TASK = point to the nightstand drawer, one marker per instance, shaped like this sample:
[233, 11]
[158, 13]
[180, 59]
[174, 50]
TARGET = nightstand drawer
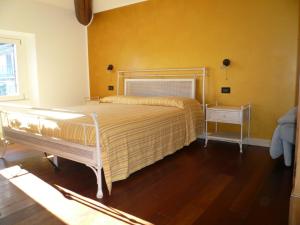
[223, 116]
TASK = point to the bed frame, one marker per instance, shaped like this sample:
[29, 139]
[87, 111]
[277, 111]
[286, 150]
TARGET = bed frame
[164, 82]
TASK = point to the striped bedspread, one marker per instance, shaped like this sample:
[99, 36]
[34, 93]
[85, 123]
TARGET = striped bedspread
[135, 131]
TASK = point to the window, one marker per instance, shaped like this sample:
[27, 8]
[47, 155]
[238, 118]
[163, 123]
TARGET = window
[9, 69]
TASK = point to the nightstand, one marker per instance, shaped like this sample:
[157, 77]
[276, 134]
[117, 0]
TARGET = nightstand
[92, 100]
[230, 115]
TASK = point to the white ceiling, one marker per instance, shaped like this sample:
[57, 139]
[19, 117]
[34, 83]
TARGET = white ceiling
[98, 5]
[66, 4]
[102, 5]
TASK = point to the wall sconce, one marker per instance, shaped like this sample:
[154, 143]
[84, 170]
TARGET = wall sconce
[110, 68]
[226, 63]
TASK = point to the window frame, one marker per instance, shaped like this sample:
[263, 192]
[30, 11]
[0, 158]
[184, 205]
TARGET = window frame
[18, 59]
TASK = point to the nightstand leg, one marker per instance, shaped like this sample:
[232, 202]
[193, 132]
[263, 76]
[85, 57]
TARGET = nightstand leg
[241, 141]
[206, 139]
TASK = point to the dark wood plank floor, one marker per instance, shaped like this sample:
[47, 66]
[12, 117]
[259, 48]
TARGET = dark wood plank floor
[215, 186]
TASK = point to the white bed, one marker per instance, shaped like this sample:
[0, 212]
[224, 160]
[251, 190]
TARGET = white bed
[166, 82]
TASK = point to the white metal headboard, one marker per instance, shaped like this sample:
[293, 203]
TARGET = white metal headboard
[160, 87]
[163, 82]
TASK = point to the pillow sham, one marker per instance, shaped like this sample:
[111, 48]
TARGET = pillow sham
[171, 101]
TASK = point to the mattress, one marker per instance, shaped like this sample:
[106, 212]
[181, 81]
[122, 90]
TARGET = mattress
[135, 132]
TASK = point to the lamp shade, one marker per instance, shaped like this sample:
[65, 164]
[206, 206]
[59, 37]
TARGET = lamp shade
[110, 67]
[226, 62]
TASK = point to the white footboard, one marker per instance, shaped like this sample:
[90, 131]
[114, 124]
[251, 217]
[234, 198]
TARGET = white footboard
[82, 153]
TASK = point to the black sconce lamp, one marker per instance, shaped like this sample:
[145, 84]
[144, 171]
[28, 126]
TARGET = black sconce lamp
[226, 62]
[110, 68]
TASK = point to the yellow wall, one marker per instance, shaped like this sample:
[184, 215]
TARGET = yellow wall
[259, 36]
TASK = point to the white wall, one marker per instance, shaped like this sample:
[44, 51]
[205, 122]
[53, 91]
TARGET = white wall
[61, 50]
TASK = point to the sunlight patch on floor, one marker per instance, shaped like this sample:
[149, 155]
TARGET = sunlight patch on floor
[69, 207]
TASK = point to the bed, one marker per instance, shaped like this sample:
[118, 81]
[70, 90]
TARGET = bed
[120, 134]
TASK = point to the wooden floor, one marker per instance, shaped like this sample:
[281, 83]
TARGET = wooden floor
[193, 186]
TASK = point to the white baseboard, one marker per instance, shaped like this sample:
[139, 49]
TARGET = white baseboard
[252, 141]
[258, 142]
